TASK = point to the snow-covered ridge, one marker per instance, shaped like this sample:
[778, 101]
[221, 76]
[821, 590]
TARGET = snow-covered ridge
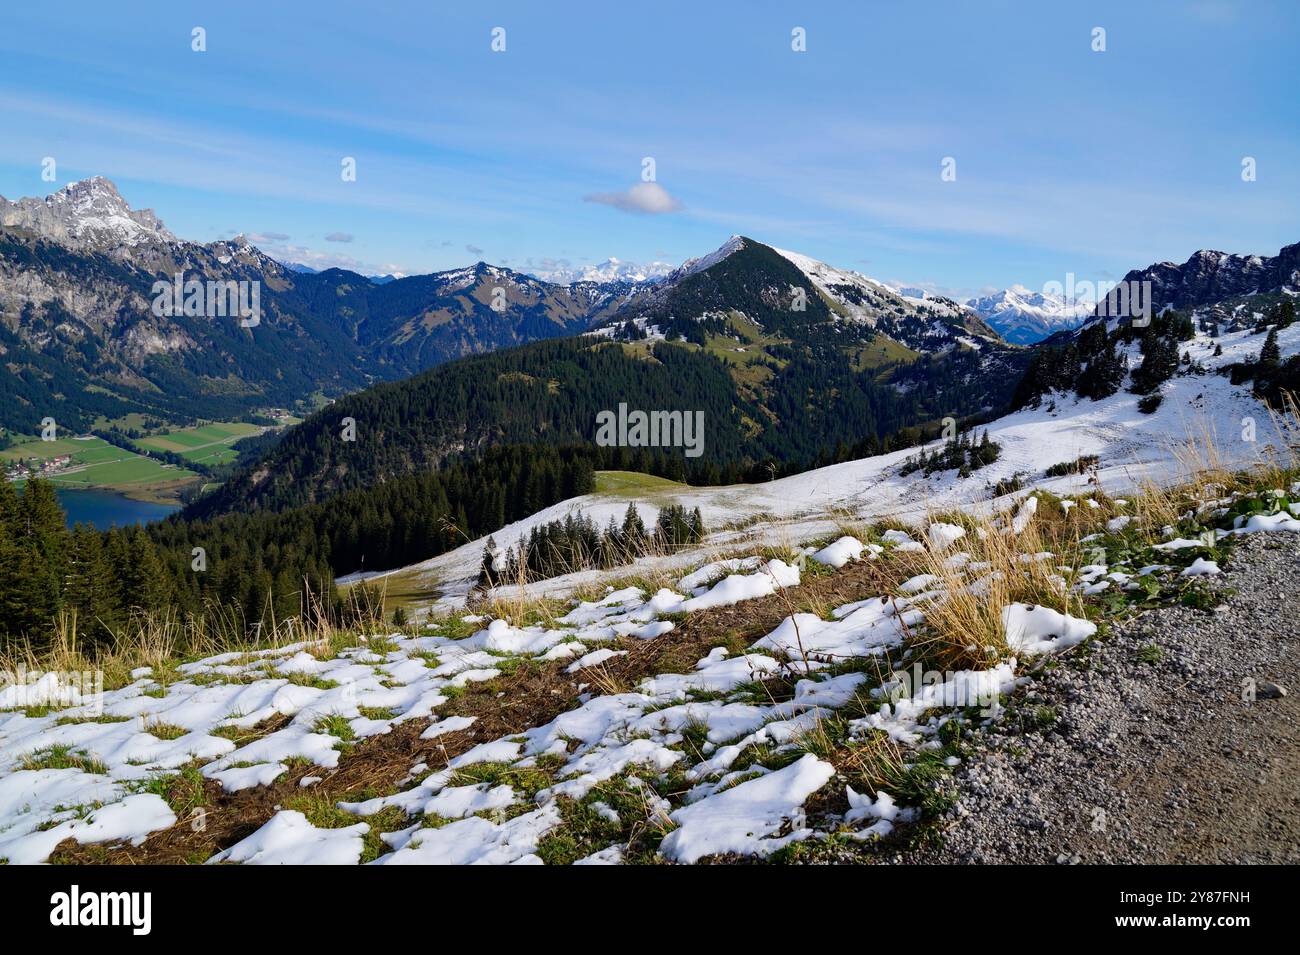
[835, 282]
[691, 266]
[922, 322]
[1210, 277]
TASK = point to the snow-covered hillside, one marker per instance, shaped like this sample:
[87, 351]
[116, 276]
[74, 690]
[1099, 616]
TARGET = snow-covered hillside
[863, 299]
[428, 747]
[632, 726]
[1132, 447]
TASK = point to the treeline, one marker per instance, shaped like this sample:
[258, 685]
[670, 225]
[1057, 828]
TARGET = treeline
[756, 280]
[548, 392]
[814, 408]
[961, 453]
[1078, 466]
[1091, 365]
[268, 565]
[1272, 378]
[576, 543]
[46, 568]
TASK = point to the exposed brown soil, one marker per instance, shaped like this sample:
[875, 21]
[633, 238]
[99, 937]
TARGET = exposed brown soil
[510, 704]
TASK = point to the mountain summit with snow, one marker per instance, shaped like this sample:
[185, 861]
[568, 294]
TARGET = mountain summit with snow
[1024, 317]
[89, 215]
[785, 293]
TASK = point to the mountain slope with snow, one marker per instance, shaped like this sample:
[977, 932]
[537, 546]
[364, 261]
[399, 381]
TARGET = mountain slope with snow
[797, 296]
[1209, 278]
[1131, 447]
[84, 341]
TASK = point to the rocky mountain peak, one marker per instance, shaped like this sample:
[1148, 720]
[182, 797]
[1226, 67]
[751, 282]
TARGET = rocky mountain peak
[1209, 278]
[88, 215]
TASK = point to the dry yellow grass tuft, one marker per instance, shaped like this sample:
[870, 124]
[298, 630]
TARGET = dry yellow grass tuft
[963, 624]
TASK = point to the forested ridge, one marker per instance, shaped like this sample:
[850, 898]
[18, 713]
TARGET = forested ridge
[811, 407]
[79, 366]
[264, 565]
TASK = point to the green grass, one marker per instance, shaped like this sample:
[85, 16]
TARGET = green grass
[98, 463]
[336, 726]
[744, 350]
[104, 718]
[161, 730]
[183, 791]
[622, 483]
[527, 780]
[64, 757]
[1150, 653]
[308, 679]
[36, 448]
[881, 352]
[206, 444]
[409, 589]
[322, 811]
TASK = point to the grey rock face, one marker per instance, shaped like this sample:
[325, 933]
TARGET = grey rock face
[89, 215]
[1209, 277]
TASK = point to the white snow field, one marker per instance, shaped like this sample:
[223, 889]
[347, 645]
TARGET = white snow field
[613, 733]
[704, 725]
[1132, 447]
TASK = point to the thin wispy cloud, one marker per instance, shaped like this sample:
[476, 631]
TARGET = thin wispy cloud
[1051, 173]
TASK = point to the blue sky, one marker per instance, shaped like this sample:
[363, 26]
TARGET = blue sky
[1067, 160]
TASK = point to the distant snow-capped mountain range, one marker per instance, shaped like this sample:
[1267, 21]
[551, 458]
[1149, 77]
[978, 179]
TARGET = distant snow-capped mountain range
[611, 270]
[1018, 314]
[1024, 317]
[70, 325]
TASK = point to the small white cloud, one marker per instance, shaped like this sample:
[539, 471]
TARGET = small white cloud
[267, 237]
[473, 250]
[339, 237]
[648, 198]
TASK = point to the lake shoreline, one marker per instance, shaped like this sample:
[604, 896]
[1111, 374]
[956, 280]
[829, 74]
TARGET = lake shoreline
[105, 508]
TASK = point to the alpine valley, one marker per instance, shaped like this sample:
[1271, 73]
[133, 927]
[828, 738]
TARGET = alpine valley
[436, 562]
[605, 436]
[795, 363]
[82, 343]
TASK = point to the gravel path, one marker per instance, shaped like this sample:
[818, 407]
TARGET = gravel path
[1160, 762]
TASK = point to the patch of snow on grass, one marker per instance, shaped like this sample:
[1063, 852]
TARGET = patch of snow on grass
[746, 818]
